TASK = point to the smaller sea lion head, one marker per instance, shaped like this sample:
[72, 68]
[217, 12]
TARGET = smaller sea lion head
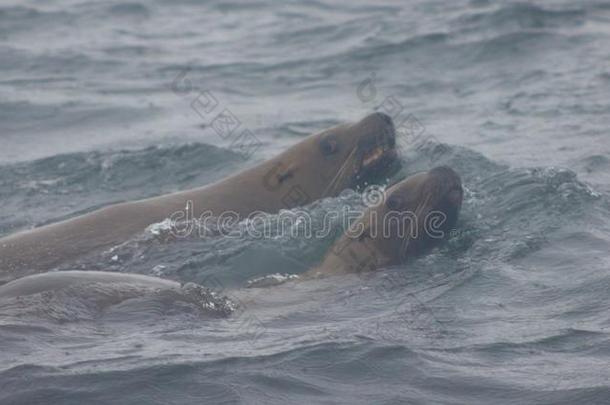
[420, 211]
[413, 216]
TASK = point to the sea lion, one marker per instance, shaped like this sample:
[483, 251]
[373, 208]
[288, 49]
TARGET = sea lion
[97, 291]
[320, 166]
[38, 283]
[415, 215]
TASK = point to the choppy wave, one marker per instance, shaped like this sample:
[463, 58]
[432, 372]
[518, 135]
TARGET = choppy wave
[79, 182]
[514, 220]
[513, 96]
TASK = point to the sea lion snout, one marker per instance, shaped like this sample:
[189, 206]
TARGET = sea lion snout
[447, 174]
[444, 188]
[377, 141]
[378, 127]
[448, 186]
[456, 196]
[384, 119]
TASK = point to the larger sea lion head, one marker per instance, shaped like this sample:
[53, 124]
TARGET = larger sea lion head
[345, 156]
[414, 215]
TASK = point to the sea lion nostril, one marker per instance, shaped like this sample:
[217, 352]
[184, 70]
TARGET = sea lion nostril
[329, 146]
[391, 140]
[388, 131]
[455, 196]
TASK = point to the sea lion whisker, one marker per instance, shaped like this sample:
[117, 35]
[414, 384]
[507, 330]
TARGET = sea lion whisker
[335, 181]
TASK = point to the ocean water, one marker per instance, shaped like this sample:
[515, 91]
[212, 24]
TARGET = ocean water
[106, 101]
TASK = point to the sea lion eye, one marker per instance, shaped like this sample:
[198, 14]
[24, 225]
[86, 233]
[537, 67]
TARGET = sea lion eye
[394, 202]
[329, 146]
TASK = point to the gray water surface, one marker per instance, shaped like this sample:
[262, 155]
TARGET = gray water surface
[96, 106]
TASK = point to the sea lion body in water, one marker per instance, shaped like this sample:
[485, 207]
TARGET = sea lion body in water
[320, 166]
[389, 233]
[52, 281]
[94, 292]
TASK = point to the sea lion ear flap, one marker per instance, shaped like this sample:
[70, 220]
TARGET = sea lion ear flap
[277, 175]
[285, 173]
